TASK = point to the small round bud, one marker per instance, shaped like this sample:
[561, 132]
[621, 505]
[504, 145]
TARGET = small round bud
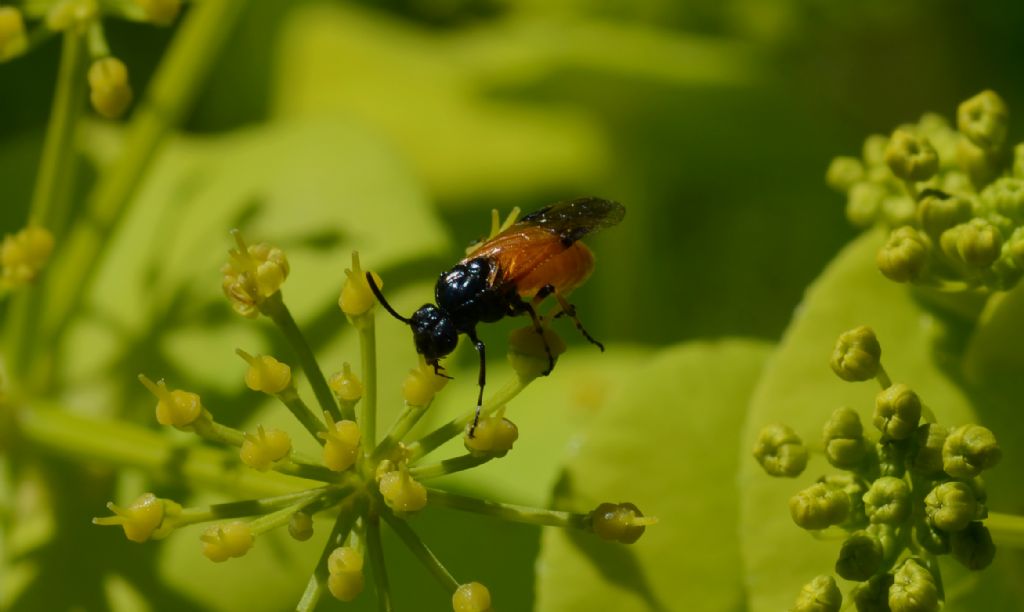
[951, 506]
[976, 243]
[221, 542]
[300, 526]
[494, 435]
[345, 568]
[911, 157]
[898, 211]
[346, 386]
[66, 14]
[527, 354]
[937, 211]
[844, 172]
[905, 255]
[892, 458]
[267, 375]
[984, 119]
[24, 254]
[931, 538]
[913, 589]
[973, 546]
[160, 12]
[356, 296]
[401, 493]
[252, 274]
[864, 203]
[623, 523]
[780, 451]
[925, 454]
[471, 597]
[897, 411]
[873, 595]
[1006, 197]
[860, 556]
[341, 444]
[856, 355]
[177, 408]
[1013, 248]
[109, 90]
[888, 501]
[260, 450]
[146, 517]
[843, 436]
[819, 506]
[819, 595]
[12, 32]
[422, 384]
[968, 450]
[982, 166]
[873, 150]
[855, 488]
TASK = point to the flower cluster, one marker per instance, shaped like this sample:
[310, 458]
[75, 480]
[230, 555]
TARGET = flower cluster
[81, 23]
[953, 199]
[23, 255]
[907, 494]
[359, 478]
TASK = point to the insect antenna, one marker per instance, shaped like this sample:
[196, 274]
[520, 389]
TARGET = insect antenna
[383, 302]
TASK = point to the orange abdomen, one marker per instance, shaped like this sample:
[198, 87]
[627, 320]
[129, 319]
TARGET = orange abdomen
[565, 271]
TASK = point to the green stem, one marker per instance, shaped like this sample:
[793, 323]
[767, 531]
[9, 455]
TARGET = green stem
[883, 378]
[283, 516]
[274, 307]
[422, 552]
[448, 466]
[176, 83]
[1006, 529]
[248, 507]
[508, 512]
[457, 425]
[368, 358]
[380, 572]
[208, 429]
[313, 424]
[52, 194]
[399, 429]
[347, 515]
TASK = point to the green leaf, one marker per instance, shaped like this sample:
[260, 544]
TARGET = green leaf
[799, 389]
[665, 442]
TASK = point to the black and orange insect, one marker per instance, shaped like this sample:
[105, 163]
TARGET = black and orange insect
[510, 274]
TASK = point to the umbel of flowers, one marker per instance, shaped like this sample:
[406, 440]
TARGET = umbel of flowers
[906, 493]
[951, 198]
[359, 478]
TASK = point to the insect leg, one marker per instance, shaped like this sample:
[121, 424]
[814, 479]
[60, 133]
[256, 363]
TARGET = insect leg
[570, 311]
[540, 331]
[478, 343]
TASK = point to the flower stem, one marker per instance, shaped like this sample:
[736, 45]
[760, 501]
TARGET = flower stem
[281, 517]
[349, 511]
[457, 425]
[401, 427]
[313, 424]
[420, 550]
[509, 512]
[380, 572]
[248, 507]
[368, 357]
[448, 466]
[274, 307]
[213, 431]
[883, 378]
[1006, 529]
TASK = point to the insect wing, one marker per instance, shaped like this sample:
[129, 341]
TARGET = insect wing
[573, 219]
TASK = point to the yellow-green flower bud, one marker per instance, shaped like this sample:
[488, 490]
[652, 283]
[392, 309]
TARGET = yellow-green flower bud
[1018, 160]
[911, 157]
[12, 32]
[973, 546]
[109, 90]
[176, 408]
[931, 538]
[844, 172]
[864, 203]
[401, 493]
[888, 501]
[892, 457]
[904, 257]
[526, 351]
[819, 595]
[346, 385]
[873, 595]
[160, 12]
[937, 211]
[854, 487]
[345, 569]
[982, 166]
[819, 506]
[266, 374]
[856, 355]
[252, 274]
[1013, 248]
[780, 451]
[976, 243]
[471, 597]
[913, 589]
[494, 435]
[925, 454]
[873, 150]
[261, 449]
[24, 254]
[623, 523]
[341, 443]
[300, 526]
[356, 296]
[860, 556]
[422, 384]
[1006, 197]
[65, 14]
[984, 119]
[843, 436]
[897, 411]
[147, 517]
[221, 542]
[899, 210]
[951, 506]
[968, 450]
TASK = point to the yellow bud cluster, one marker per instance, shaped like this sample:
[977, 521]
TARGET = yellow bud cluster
[527, 354]
[176, 408]
[146, 517]
[252, 274]
[494, 435]
[221, 542]
[266, 374]
[620, 522]
[422, 384]
[260, 450]
[109, 90]
[471, 597]
[12, 32]
[356, 297]
[71, 13]
[346, 386]
[345, 568]
[24, 254]
[160, 12]
[401, 493]
[341, 446]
